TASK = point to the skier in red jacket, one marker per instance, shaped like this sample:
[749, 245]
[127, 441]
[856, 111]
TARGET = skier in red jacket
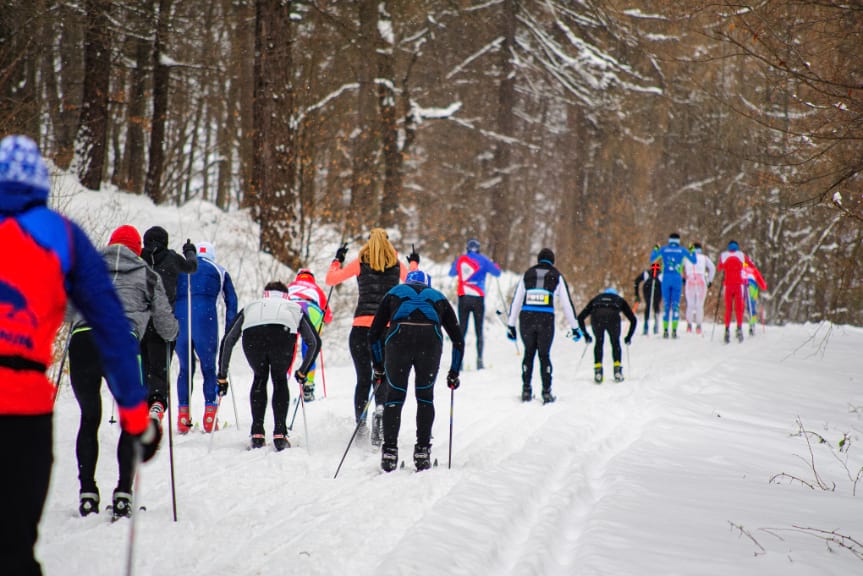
[731, 264]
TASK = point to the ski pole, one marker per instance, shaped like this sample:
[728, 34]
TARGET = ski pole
[189, 338]
[451, 409]
[137, 457]
[323, 372]
[234, 401]
[294, 417]
[171, 434]
[628, 361]
[113, 406]
[302, 403]
[651, 306]
[583, 352]
[357, 427]
[499, 315]
[62, 365]
[716, 311]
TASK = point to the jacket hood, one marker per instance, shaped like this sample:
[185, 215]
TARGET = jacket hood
[121, 259]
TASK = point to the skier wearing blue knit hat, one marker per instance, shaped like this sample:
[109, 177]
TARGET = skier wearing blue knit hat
[471, 269]
[604, 311]
[404, 335]
[672, 256]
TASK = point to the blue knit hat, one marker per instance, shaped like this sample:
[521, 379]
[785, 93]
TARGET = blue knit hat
[733, 246]
[473, 245]
[23, 174]
[418, 277]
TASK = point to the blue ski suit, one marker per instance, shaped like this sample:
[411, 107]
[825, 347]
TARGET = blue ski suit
[208, 283]
[672, 256]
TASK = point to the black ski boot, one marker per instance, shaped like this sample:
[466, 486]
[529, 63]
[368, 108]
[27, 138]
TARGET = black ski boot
[122, 506]
[389, 458]
[479, 364]
[547, 397]
[597, 373]
[674, 333]
[618, 372]
[526, 394]
[422, 457]
[280, 442]
[739, 334]
[258, 441]
[752, 330]
[88, 503]
[727, 335]
[308, 392]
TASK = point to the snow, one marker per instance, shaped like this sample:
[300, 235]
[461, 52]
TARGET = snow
[668, 472]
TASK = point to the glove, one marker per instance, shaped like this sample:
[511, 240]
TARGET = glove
[587, 338]
[222, 384]
[300, 377]
[637, 299]
[575, 335]
[341, 253]
[150, 439]
[414, 257]
[189, 247]
[378, 376]
[709, 284]
[452, 380]
[510, 333]
[627, 340]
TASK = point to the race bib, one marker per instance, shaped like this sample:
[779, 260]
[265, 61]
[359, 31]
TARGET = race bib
[537, 297]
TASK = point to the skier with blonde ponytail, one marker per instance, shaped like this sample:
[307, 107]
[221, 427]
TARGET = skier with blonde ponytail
[377, 269]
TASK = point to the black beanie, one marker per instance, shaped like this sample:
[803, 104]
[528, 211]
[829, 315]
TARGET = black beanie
[156, 237]
[545, 254]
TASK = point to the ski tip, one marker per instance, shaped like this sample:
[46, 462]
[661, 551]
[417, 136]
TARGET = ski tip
[402, 465]
[435, 463]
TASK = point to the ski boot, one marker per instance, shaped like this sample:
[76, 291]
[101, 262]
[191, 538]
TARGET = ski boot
[122, 506]
[258, 441]
[674, 333]
[157, 410]
[727, 335]
[646, 328]
[752, 330]
[280, 442]
[618, 372]
[656, 327]
[526, 394]
[479, 364]
[88, 503]
[597, 373]
[422, 457]
[377, 433]
[308, 392]
[739, 334]
[389, 458]
[665, 333]
[548, 397]
[210, 418]
[184, 420]
[688, 328]
[698, 329]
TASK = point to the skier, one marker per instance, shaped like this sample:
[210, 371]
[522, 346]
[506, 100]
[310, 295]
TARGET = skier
[731, 264]
[604, 311]
[672, 256]
[533, 306]
[306, 292]
[698, 278]
[207, 284]
[471, 269]
[156, 352]
[377, 269]
[754, 283]
[144, 300]
[652, 278]
[405, 335]
[269, 327]
[45, 260]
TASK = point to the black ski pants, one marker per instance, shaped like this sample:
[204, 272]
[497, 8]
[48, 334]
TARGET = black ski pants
[362, 356]
[418, 347]
[475, 305]
[156, 360]
[27, 453]
[603, 321]
[537, 334]
[85, 372]
[269, 350]
[652, 288]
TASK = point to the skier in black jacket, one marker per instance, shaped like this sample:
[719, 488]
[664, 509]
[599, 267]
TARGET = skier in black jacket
[604, 311]
[652, 278]
[533, 307]
[155, 352]
[404, 335]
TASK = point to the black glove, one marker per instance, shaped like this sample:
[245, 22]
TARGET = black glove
[222, 384]
[452, 380]
[709, 284]
[150, 439]
[414, 257]
[627, 340]
[510, 333]
[575, 335]
[378, 376]
[300, 377]
[189, 247]
[341, 253]
[588, 338]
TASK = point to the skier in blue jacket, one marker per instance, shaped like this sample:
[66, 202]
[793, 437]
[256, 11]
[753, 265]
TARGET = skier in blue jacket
[471, 269]
[672, 256]
[207, 284]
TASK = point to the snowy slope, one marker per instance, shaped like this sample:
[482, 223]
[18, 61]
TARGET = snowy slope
[666, 473]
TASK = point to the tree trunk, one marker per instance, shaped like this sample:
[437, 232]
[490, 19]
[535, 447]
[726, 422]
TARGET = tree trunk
[136, 141]
[161, 87]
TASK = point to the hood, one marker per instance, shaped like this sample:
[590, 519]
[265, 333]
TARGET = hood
[121, 259]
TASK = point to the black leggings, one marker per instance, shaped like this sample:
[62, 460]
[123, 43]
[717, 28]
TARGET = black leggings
[156, 360]
[657, 300]
[269, 350]
[85, 372]
[27, 443]
[416, 347]
[537, 333]
[362, 356]
[475, 305]
[602, 323]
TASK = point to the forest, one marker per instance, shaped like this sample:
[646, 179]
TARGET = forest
[593, 127]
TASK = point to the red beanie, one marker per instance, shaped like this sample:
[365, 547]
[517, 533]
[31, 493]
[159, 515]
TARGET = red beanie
[128, 236]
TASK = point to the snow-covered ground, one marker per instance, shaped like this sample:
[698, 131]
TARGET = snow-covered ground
[666, 473]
